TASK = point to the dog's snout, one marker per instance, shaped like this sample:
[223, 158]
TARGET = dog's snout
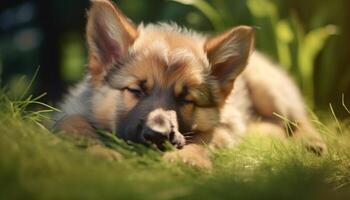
[161, 126]
[154, 137]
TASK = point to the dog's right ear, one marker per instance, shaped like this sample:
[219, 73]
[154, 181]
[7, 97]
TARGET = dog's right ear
[109, 36]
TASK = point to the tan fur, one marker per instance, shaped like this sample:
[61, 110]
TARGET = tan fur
[272, 92]
[192, 154]
[105, 109]
[267, 128]
[177, 60]
[77, 125]
[124, 36]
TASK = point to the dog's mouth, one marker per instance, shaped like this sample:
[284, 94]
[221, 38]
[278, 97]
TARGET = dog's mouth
[150, 137]
[159, 128]
[161, 140]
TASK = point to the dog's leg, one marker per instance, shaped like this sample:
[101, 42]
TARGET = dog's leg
[267, 128]
[195, 155]
[313, 141]
[79, 126]
[291, 114]
[276, 98]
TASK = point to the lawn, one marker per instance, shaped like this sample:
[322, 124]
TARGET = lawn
[37, 164]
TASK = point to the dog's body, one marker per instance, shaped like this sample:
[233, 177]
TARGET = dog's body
[158, 83]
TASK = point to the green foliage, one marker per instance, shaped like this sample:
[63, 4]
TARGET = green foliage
[209, 11]
[73, 64]
[284, 39]
[15, 101]
[309, 47]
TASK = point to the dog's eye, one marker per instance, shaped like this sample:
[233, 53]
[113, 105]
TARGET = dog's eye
[186, 101]
[184, 98]
[137, 92]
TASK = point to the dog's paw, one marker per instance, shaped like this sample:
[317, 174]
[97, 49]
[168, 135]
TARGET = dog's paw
[193, 158]
[104, 153]
[315, 146]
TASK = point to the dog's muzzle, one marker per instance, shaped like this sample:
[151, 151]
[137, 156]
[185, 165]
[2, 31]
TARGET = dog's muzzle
[161, 126]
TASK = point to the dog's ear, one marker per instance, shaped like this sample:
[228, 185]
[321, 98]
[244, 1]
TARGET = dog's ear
[109, 35]
[228, 55]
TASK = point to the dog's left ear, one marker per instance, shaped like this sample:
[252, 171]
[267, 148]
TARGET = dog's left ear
[109, 35]
[228, 55]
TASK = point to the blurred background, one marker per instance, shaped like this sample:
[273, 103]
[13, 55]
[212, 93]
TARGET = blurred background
[309, 39]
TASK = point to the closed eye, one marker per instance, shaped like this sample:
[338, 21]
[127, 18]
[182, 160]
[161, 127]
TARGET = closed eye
[186, 101]
[137, 92]
[184, 97]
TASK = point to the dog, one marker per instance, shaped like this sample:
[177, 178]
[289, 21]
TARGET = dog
[161, 83]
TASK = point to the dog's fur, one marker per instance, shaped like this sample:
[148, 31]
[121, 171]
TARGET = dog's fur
[191, 89]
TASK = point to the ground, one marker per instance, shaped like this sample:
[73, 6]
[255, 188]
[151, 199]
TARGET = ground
[37, 164]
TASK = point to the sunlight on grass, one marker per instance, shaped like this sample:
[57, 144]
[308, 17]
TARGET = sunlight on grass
[36, 163]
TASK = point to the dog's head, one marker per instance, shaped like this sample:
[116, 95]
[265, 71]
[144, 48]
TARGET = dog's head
[170, 81]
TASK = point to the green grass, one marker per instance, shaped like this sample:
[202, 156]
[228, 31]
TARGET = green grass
[36, 164]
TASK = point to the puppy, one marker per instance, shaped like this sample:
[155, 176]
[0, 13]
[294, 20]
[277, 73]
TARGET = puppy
[160, 83]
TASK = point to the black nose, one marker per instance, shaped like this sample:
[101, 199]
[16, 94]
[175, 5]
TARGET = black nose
[155, 137]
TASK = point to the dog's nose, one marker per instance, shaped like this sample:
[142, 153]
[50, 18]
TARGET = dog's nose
[161, 126]
[154, 137]
[159, 138]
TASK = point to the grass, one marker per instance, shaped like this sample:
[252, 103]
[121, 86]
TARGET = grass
[36, 164]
